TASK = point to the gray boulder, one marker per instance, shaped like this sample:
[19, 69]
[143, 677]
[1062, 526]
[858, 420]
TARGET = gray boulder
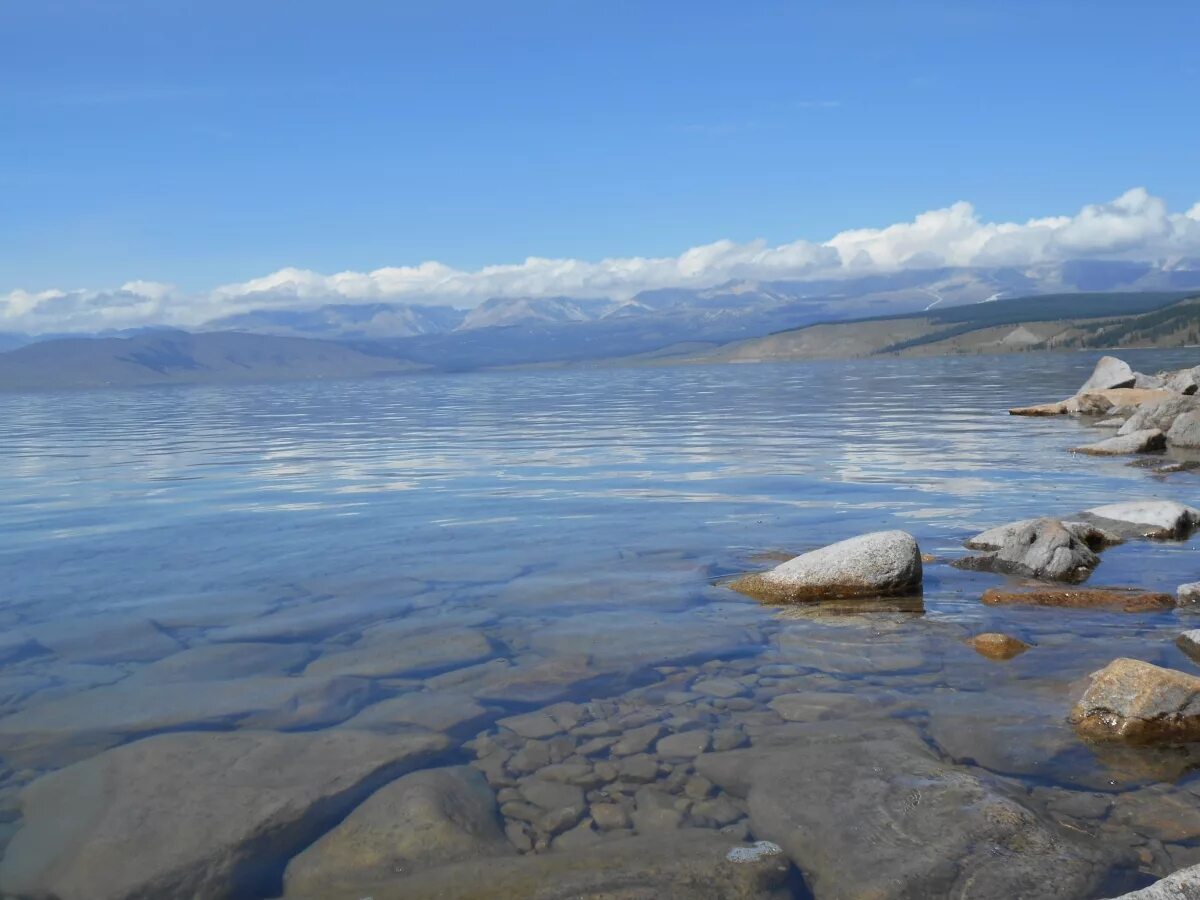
[1157, 519]
[1159, 414]
[1149, 440]
[1185, 381]
[879, 564]
[1188, 593]
[194, 814]
[1038, 548]
[1185, 430]
[995, 538]
[1109, 373]
[913, 825]
[1131, 700]
[423, 820]
[1181, 885]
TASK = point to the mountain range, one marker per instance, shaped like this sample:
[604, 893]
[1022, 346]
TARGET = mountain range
[719, 323]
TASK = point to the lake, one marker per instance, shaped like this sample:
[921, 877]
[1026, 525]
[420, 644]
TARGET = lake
[439, 553]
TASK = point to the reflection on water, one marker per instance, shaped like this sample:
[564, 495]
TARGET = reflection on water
[444, 551]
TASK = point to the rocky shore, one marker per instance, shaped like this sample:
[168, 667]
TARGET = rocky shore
[807, 729]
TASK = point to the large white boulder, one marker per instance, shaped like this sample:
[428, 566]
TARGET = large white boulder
[1110, 372]
[882, 563]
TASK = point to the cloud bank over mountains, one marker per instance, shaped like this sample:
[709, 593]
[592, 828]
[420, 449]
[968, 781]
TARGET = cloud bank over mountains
[1135, 226]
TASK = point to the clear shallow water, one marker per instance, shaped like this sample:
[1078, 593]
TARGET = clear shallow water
[576, 521]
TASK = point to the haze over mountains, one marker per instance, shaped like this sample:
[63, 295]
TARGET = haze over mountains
[355, 339]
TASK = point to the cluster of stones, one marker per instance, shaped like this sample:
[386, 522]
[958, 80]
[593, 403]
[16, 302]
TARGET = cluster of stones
[570, 774]
[1148, 412]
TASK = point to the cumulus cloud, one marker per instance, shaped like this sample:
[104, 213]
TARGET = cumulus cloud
[1136, 225]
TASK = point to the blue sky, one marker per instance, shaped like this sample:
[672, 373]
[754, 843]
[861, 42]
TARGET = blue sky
[201, 143]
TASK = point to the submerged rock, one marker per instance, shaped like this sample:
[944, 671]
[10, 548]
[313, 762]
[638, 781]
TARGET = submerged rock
[1135, 701]
[424, 652]
[73, 727]
[1126, 599]
[194, 814]
[1149, 440]
[1040, 548]
[913, 825]
[420, 821]
[672, 865]
[883, 563]
[998, 646]
[1158, 519]
[1181, 885]
[1109, 373]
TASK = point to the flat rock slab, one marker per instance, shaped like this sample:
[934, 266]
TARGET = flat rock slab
[195, 814]
[447, 711]
[1124, 599]
[1149, 440]
[73, 727]
[224, 662]
[421, 821]
[106, 639]
[424, 653]
[628, 641]
[913, 825]
[879, 564]
[1157, 519]
[1135, 701]
[680, 865]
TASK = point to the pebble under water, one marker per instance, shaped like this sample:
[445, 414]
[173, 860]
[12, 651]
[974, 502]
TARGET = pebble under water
[532, 564]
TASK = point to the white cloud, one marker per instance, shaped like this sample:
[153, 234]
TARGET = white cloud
[1136, 225]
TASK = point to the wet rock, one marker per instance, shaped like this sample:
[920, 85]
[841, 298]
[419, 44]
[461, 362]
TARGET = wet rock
[1181, 885]
[1115, 401]
[716, 813]
[811, 706]
[998, 646]
[543, 680]
[883, 563]
[994, 538]
[675, 865]
[1061, 408]
[1042, 548]
[444, 711]
[420, 821]
[915, 826]
[582, 835]
[1188, 593]
[1135, 701]
[1189, 643]
[1115, 422]
[1159, 519]
[655, 812]
[411, 654]
[624, 642]
[531, 725]
[728, 739]
[552, 795]
[1149, 440]
[225, 662]
[609, 816]
[723, 688]
[637, 740]
[1109, 373]
[1124, 599]
[194, 814]
[640, 769]
[1159, 415]
[685, 745]
[73, 727]
[1158, 812]
[105, 639]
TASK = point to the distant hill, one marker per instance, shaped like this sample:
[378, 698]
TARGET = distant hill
[177, 357]
[1028, 323]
